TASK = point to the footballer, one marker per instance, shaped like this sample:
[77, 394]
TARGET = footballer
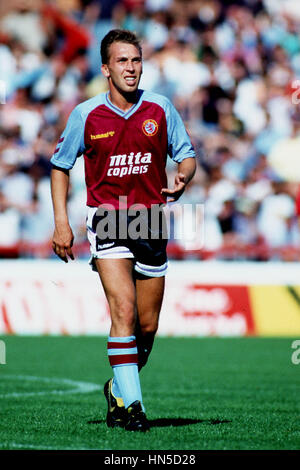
[125, 137]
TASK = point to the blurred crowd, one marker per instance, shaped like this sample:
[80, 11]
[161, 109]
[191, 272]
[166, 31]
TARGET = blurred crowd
[229, 67]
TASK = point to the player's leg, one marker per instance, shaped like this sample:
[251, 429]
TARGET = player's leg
[119, 288]
[118, 284]
[149, 297]
[150, 266]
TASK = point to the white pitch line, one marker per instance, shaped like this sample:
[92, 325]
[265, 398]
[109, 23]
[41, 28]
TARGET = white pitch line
[78, 386]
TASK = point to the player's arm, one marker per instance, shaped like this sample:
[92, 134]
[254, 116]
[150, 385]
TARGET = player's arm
[181, 151]
[186, 171]
[69, 147]
[63, 237]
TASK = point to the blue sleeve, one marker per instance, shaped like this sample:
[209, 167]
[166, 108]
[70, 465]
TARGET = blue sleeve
[179, 143]
[71, 143]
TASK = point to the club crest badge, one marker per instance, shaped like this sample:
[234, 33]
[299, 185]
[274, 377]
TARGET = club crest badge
[150, 127]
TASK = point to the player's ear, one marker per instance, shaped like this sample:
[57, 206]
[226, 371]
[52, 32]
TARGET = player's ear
[105, 71]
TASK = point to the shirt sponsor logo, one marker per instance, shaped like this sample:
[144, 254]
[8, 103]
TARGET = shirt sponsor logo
[135, 164]
[150, 127]
[103, 136]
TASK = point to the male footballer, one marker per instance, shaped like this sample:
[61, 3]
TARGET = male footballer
[125, 136]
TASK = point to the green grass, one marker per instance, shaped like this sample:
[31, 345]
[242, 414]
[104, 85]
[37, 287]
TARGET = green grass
[200, 394]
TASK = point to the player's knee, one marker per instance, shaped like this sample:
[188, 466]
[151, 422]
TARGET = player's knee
[123, 313]
[149, 327]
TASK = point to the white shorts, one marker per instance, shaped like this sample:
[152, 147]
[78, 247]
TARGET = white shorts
[149, 256]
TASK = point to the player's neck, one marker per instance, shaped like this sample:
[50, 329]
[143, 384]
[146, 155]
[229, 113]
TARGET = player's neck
[123, 101]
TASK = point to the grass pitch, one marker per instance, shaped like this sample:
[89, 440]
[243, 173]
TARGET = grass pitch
[199, 393]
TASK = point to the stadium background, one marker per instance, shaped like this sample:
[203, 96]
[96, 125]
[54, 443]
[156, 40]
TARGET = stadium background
[231, 70]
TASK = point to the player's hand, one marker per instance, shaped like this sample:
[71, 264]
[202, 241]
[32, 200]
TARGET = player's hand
[62, 242]
[177, 191]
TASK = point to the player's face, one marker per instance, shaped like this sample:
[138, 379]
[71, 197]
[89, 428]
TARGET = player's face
[124, 68]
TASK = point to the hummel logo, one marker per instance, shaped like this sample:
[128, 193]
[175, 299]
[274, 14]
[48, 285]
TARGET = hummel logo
[103, 136]
[105, 245]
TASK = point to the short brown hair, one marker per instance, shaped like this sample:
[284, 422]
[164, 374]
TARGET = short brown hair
[118, 35]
